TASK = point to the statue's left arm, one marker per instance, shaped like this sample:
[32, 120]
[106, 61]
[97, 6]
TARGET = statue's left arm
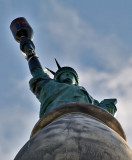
[109, 105]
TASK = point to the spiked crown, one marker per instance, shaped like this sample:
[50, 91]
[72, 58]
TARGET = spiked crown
[62, 70]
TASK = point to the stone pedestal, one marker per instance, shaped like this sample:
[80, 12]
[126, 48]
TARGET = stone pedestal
[76, 131]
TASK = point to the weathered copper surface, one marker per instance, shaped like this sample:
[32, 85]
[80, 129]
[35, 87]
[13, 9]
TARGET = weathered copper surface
[76, 136]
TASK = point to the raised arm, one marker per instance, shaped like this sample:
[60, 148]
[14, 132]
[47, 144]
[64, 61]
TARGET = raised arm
[23, 34]
[27, 46]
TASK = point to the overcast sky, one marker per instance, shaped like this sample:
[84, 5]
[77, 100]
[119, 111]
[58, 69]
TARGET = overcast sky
[94, 37]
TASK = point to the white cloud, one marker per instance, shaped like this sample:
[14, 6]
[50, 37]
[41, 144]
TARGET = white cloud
[112, 85]
[15, 129]
[73, 35]
[17, 119]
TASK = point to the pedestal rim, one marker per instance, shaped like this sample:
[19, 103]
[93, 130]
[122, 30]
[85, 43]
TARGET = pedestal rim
[77, 107]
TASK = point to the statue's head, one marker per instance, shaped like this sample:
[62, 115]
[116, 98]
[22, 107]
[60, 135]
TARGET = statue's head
[65, 75]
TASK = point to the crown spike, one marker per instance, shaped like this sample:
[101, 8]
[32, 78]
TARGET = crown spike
[50, 71]
[59, 67]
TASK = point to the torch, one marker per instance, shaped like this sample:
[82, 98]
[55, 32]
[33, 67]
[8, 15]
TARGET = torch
[23, 34]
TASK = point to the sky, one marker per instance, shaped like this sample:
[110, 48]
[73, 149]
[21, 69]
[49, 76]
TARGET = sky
[94, 37]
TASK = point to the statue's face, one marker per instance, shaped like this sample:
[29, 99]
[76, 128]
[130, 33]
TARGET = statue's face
[67, 77]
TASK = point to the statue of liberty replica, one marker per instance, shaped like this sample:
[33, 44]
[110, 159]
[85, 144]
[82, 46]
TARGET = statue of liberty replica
[72, 125]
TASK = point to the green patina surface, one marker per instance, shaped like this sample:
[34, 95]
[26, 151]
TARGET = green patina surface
[51, 93]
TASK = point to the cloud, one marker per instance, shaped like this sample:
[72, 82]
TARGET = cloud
[77, 38]
[112, 85]
[17, 118]
[15, 129]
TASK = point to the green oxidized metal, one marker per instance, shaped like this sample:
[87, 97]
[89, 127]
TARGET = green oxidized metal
[51, 94]
[65, 69]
